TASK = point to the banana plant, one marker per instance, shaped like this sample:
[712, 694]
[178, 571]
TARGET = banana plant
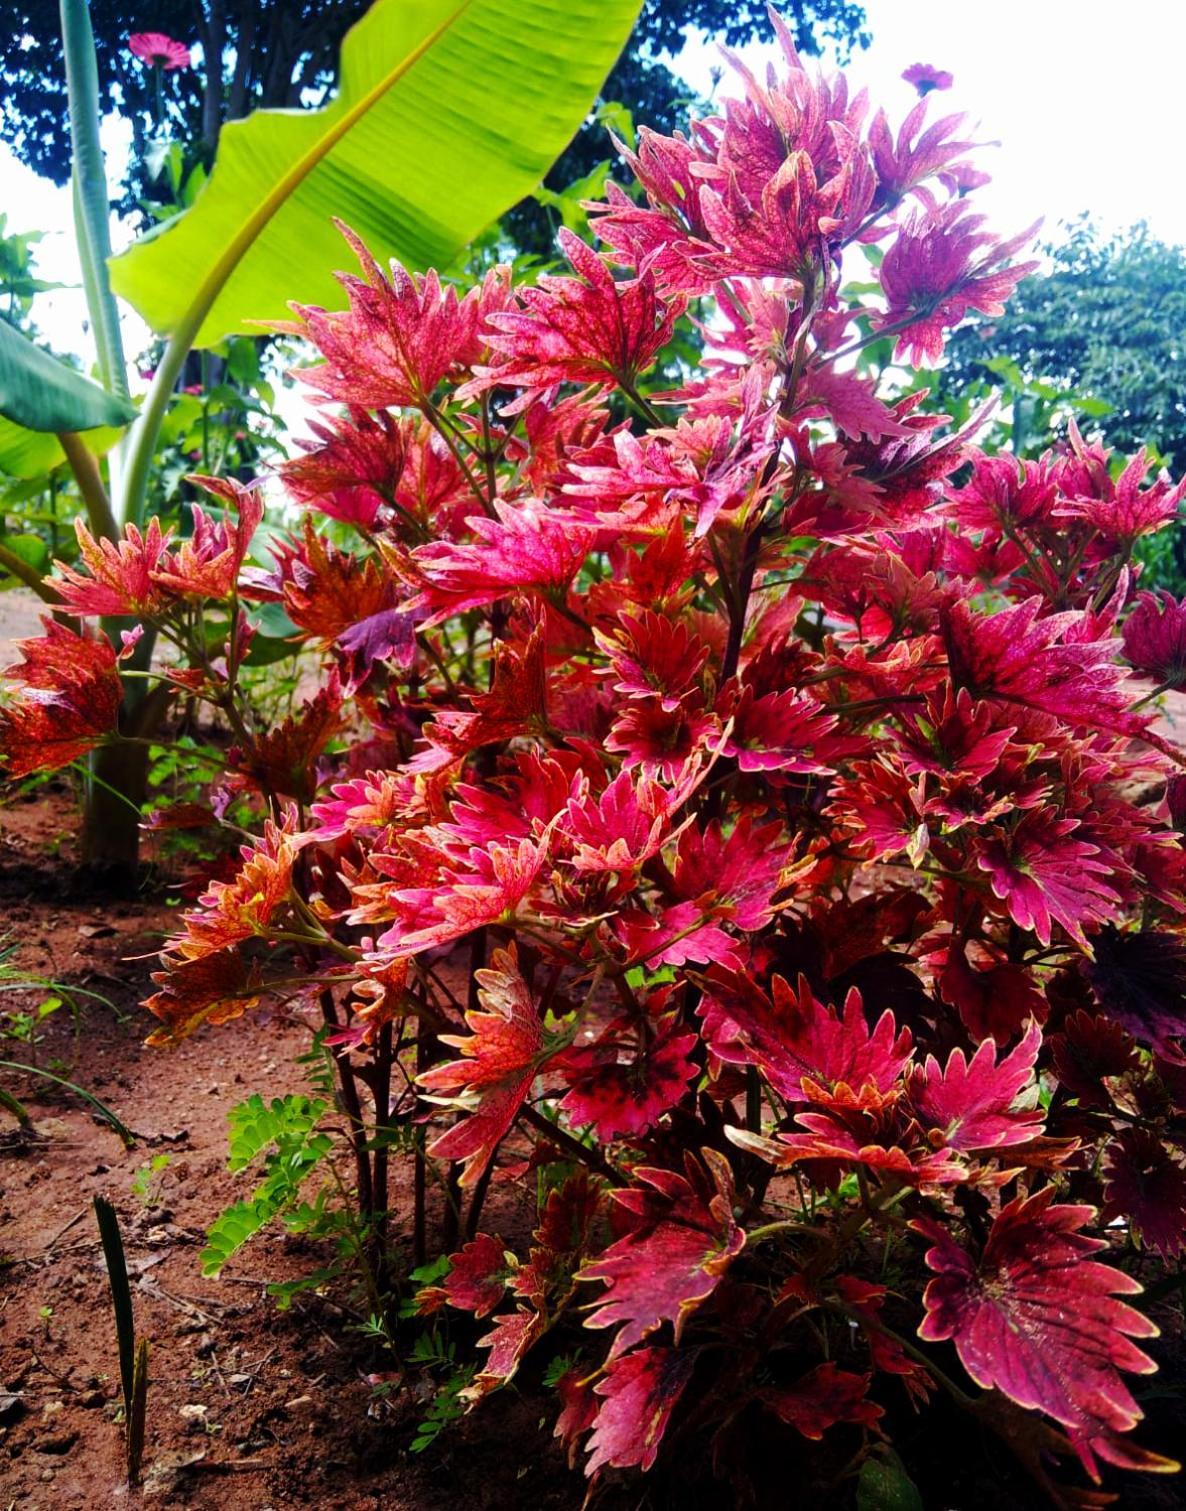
[447, 113]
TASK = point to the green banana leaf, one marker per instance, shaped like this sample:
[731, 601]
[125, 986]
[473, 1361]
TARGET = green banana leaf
[40, 393]
[449, 112]
[33, 453]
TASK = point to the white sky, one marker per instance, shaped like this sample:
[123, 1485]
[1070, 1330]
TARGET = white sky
[1085, 98]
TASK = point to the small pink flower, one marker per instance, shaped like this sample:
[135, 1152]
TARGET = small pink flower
[159, 51]
[925, 78]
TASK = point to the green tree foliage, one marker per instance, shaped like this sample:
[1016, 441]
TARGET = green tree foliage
[1101, 334]
[1108, 321]
[284, 52]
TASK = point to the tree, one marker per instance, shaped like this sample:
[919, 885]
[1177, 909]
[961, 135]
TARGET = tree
[282, 52]
[1105, 321]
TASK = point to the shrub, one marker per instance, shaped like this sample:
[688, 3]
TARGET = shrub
[733, 800]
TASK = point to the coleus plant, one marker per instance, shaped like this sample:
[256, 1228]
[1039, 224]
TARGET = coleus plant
[743, 794]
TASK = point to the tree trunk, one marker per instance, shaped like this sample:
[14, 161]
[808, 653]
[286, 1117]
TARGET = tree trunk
[111, 826]
[119, 777]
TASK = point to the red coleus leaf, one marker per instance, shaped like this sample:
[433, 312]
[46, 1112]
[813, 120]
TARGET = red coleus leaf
[735, 877]
[1035, 1317]
[68, 697]
[515, 705]
[787, 731]
[510, 1338]
[639, 1392]
[663, 744]
[1145, 1183]
[941, 265]
[653, 656]
[683, 1239]
[800, 1046]
[588, 329]
[1088, 1050]
[823, 1397]
[886, 1353]
[994, 1003]
[625, 1088]
[980, 1103]
[285, 759]
[499, 1062]
[578, 1411]
[624, 826]
[477, 1278]
[351, 471]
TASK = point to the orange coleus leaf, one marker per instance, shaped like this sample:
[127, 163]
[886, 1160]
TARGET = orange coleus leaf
[230, 912]
[326, 591]
[207, 565]
[499, 1062]
[118, 577]
[68, 697]
[211, 989]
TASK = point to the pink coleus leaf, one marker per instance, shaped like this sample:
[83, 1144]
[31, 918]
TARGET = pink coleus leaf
[684, 1238]
[982, 1103]
[588, 329]
[1037, 1318]
[640, 1391]
[526, 546]
[498, 1064]
[484, 889]
[1023, 656]
[1045, 874]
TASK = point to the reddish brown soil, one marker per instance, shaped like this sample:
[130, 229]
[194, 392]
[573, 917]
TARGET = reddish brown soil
[289, 1418]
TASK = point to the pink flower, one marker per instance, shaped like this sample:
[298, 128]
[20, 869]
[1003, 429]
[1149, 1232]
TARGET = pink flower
[159, 51]
[925, 78]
